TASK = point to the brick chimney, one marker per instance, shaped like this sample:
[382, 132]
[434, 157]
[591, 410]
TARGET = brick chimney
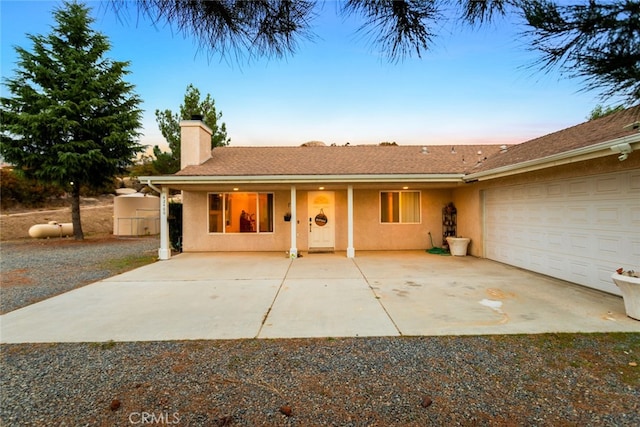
[195, 142]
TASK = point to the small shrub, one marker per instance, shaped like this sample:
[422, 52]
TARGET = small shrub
[175, 226]
[18, 190]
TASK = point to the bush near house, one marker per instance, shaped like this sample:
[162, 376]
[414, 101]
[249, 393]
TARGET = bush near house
[16, 190]
[175, 226]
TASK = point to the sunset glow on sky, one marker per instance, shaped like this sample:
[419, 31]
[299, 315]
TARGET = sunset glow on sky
[474, 86]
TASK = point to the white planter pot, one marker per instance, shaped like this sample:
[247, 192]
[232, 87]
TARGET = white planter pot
[630, 288]
[458, 245]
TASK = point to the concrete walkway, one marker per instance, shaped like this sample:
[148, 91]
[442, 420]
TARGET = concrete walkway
[258, 295]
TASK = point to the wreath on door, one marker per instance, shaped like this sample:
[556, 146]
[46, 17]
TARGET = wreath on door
[321, 219]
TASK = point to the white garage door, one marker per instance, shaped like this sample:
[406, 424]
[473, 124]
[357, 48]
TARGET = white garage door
[579, 230]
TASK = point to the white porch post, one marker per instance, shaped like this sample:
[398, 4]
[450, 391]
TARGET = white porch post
[351, 252]
[293, 251]
[165, 251]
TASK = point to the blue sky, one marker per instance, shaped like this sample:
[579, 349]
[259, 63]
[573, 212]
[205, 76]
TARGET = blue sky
[474, 86]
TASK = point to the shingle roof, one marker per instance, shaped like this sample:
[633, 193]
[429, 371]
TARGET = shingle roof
[593, 132]
[341, 160]
[399, 160]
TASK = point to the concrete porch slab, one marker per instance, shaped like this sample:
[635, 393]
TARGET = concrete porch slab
[258, 295]
[145, 311]
[327, 308]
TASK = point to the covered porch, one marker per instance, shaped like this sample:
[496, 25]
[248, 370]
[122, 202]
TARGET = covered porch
[310, 214]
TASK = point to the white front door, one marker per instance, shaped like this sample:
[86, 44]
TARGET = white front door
[321, 217]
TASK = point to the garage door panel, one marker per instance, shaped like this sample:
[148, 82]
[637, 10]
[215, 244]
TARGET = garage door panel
[603, 281]
[492, 253]
[518, 214]
[575, 230]
[536, 261]
[634, 243]
[555, 191]
[578, 214]
[609, 185]
[609, 215]
[555, 241]
[608, 246]
[580, 243]
[537, 238]
[577, 188]
[634, 183]
[557, 266]
[536, 192]
[555, 214]
[580, 270]
[634, 215]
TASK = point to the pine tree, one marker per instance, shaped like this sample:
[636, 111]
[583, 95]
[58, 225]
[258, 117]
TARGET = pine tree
[71, 118]
[169, 125]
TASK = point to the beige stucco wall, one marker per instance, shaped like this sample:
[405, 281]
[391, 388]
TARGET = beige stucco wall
[469, 216]
[195, 143]
[468, 198]
[196, 237]
[369, 233]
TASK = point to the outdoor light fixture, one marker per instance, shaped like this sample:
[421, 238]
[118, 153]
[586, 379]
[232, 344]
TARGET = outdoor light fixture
[624, 149]
[320, 188]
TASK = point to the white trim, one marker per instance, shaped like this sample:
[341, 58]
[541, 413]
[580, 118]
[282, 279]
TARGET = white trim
[164, 252]
[302, 179]
[351, 252]
[580, 154]
[293, 250]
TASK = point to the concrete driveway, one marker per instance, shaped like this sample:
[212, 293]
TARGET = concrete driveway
[266, 295]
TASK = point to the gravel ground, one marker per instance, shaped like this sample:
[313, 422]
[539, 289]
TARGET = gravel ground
[543, 380]
[33, 270]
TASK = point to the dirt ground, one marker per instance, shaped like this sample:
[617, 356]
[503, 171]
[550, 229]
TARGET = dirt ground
[96, 215]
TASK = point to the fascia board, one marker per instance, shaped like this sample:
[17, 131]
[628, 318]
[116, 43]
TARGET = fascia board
[580, 154]
[301, 179]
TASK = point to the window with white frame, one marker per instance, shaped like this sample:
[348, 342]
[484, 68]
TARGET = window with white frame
[400, 207]
[240, 212]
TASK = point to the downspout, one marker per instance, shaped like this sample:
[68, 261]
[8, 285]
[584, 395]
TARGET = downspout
[164, 252]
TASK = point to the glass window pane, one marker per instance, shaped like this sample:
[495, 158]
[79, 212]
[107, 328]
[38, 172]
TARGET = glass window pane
[389, 206]
[410, 202]
[266, 213]
[244, 207]
[241, 213]
[215, 213]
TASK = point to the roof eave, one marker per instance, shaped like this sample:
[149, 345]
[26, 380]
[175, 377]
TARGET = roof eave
[579, 154]
[301, 179]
